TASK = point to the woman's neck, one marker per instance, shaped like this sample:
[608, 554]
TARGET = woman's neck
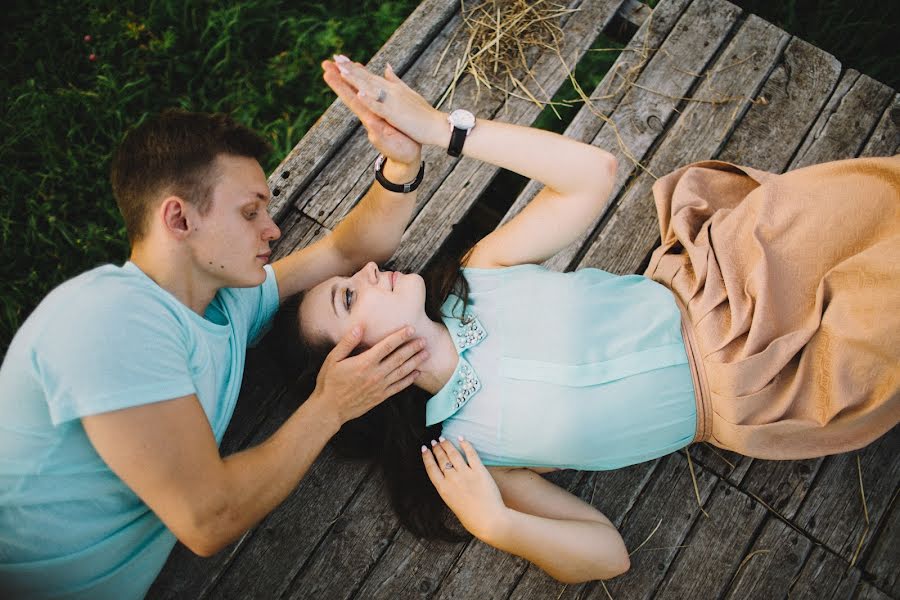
[442, 357]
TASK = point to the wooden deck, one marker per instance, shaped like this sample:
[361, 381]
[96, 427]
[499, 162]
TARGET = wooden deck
[766, 529]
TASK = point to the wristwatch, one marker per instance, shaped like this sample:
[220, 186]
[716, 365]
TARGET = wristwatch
[462, 122]
[400, 188]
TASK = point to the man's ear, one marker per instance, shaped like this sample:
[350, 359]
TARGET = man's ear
[174, 213]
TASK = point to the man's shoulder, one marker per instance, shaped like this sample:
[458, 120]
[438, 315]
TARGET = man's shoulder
[102, 300]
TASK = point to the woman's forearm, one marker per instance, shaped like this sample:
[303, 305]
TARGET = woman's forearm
[569, 167]
[568, 550]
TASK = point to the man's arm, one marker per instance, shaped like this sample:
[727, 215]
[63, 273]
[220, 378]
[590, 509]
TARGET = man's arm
[167, 454]
[372, 230]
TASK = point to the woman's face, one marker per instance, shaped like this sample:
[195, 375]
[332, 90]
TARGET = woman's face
[381, 301]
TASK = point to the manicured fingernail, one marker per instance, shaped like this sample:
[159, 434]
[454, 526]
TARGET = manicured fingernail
[340, 58]
[410, 330]
[433, 443]
[355, 330]
[343, 70]
[390, 67]
[361, 94]
[416, 374]
[441, 439]
[460, 438]
[424, 354]
[424, 449]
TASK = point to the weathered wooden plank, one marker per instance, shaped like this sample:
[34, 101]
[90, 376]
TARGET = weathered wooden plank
[469, 178]
[698, 134]
[795, 92]
[668, 510]
[609, 92]
[643, 116]
[884, 556]
[730, 466]
[824, 577]
[864, 591]
[885, 140]
[481, 572]
[772, 563]
[325, 137]
[287, 538]
[614, 493]
[782, 484]
[354, 543]
[832, 511]
[715, 546]
[848, 116]
[296, 229]
[635, 12]
[410, 568]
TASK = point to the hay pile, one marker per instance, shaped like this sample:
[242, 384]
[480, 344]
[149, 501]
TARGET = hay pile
[504, 36]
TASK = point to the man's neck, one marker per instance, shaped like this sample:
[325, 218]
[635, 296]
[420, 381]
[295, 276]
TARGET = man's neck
[174, 272]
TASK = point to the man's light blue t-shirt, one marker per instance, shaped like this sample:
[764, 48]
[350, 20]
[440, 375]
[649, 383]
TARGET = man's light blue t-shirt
[108, 339]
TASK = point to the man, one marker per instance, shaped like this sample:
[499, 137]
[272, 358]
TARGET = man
[117, 390]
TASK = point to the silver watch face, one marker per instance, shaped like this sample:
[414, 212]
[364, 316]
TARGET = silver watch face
[462, 119]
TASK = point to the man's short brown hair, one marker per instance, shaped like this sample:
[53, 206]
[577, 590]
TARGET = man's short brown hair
[175, 153]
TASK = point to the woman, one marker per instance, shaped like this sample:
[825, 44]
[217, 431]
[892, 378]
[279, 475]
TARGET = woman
[770, 329]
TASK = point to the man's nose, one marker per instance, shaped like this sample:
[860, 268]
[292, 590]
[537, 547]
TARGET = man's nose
[272, 231]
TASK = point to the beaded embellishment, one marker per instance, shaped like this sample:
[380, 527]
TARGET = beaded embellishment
[466, 332]
[470, 332]
[466, 385]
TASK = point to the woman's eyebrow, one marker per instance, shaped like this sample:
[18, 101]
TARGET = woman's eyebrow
[333, 305]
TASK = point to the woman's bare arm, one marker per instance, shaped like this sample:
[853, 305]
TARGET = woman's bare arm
[520, 512]
[577, 177]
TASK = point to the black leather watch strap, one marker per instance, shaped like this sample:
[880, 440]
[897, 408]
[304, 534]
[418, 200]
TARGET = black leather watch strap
[457, 139]
[400, 188]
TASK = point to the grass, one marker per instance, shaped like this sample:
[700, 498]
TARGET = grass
[63, 114]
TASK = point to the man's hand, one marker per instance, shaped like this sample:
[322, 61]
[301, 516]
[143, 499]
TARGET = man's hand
[353, 385]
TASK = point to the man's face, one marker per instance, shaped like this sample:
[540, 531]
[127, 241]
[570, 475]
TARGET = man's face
[230, 243]
[381, 301]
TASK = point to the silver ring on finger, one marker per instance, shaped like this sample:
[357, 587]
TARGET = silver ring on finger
[448, 466]
[382, 94]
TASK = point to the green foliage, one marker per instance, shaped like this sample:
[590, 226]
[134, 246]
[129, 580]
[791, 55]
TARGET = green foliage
[63, 114]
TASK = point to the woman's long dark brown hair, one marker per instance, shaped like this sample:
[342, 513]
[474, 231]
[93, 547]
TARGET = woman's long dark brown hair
[393, 432]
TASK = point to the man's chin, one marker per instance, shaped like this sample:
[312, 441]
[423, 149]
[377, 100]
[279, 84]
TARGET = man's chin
[248, 280]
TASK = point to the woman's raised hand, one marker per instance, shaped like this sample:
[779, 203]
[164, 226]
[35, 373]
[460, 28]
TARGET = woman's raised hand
[465, 485]
[391, 99]
[387, 139]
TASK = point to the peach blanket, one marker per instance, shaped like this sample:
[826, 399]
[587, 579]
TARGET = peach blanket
[790, 289]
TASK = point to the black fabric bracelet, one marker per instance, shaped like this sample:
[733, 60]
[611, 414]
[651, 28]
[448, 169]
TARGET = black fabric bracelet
[400, 188]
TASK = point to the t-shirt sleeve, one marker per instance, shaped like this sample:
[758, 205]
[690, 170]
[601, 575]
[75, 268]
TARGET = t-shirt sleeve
[123, 350]
[253, 308]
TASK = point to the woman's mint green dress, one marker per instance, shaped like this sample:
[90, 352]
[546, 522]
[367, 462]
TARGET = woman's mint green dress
[583, 370]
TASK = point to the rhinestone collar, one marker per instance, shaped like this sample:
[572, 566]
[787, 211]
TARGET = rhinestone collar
[466, 332]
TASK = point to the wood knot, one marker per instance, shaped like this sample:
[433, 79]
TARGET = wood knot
[654, 123]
